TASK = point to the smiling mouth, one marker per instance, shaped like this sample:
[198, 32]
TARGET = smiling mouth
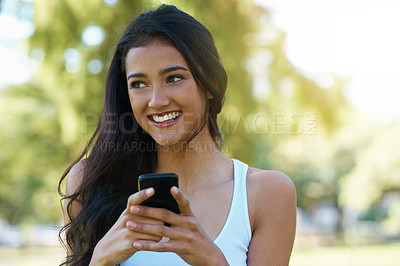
[165, 118]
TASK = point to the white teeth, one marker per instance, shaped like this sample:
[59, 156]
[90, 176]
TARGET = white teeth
[164, 118]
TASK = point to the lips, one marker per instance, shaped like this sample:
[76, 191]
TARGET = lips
[165, 119]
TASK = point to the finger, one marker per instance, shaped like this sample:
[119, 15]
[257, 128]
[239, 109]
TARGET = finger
[183, 202]
[139, 197]
[159, 214]
[142, 219]
[142, 236]
[156, 230]
[153, 246]
[151, 229]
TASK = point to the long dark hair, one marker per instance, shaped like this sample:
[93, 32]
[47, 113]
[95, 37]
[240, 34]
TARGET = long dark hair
[119, 150]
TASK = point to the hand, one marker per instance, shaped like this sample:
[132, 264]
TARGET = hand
[117, 244]
[187, 238]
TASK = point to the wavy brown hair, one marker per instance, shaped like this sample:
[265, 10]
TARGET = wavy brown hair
[119, 150]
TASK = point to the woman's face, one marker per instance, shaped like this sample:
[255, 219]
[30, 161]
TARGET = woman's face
[164, 96]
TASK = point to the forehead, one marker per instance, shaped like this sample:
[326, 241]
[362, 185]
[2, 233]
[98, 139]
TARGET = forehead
[155, 56]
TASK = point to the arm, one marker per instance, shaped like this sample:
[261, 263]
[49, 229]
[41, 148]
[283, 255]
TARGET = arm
[117, 245]
[272, 208]
[74, 180]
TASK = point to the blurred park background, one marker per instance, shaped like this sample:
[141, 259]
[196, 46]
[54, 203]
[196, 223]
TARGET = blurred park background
[314, 91]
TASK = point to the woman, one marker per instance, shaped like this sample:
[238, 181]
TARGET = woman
[164, 90]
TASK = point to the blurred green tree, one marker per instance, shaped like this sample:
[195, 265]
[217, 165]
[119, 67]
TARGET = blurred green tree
[377, 169]
[50, 118]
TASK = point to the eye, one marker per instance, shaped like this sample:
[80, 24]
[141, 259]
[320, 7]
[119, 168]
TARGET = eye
[174, 78]
[137, 85]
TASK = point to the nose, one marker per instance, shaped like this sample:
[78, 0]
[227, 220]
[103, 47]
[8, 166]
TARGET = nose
[159, 98]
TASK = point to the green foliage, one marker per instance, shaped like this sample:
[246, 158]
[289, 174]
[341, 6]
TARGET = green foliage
[377, 170]
[50, 118]
[31, 156]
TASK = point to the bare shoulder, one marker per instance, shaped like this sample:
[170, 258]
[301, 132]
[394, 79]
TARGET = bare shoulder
[74, 180]
[272, 211]
[268, 183]
[273, 189]
[75, 177]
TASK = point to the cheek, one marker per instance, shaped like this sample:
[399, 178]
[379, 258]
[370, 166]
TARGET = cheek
[135, 106]
[201, 103]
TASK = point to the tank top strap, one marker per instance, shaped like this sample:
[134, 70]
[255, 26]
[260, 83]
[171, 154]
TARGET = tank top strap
[240, 176]
[238, 217]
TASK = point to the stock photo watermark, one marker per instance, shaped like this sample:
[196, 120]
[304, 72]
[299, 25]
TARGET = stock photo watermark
[256, 124]
[273, 124]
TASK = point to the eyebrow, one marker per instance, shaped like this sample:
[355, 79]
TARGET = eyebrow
[173, 68]
[162, 72]
[137, 75]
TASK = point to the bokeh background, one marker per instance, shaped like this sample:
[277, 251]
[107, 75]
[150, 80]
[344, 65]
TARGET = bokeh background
[314, 92]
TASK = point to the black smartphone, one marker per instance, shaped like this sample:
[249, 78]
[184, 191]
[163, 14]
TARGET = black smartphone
[162, 184]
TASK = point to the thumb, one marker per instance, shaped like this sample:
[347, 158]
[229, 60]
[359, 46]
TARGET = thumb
[139, 197]
[183, 202]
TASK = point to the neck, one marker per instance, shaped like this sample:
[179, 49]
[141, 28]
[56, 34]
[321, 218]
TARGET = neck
[195, 164]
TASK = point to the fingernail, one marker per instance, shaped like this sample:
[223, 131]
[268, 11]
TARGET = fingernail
[149, 191]
[135, 209]
[131, 224]
[137, 245]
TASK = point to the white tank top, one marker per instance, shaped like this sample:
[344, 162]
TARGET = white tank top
[233, 240]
